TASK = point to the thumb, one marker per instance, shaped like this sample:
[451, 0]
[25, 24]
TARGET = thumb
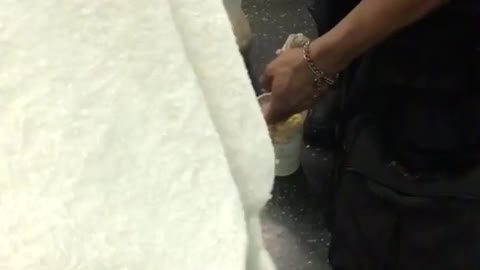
[277, 109]
[273, 113]
[266, 82]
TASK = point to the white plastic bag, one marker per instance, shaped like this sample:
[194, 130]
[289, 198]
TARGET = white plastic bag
[240, 24]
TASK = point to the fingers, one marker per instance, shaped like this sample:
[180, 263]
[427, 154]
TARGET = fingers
[273, 114]
[266, 82]
[270, 116]
[267, 78]
[278, 108]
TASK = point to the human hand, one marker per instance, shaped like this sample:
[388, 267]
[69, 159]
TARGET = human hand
[291, 82]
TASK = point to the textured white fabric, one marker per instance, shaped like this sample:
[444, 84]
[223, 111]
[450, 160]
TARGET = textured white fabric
[229, 95]
[113, 154]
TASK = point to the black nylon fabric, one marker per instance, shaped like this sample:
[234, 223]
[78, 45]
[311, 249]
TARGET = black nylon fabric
[407, 190]
[372, 231]
[423, 83]
[368, 155]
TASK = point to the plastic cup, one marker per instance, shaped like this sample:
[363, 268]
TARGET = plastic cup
[287, 146]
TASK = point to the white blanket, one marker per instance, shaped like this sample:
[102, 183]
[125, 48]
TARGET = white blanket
[130, 138]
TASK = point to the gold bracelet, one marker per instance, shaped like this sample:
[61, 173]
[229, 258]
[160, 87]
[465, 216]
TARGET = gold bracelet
[320, 75]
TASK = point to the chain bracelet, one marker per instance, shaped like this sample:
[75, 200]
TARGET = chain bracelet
[320, 77]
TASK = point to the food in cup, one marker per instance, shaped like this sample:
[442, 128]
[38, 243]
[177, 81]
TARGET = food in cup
[283, 132]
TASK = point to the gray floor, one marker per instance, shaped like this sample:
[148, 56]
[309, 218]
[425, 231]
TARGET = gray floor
[293, 227]
[293, 224]
[272, 21]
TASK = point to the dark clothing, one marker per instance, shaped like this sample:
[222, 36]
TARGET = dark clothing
[423, 82]
[389, 217]
[422, 86]
[375, 233]
[407, 192]
[423, 91]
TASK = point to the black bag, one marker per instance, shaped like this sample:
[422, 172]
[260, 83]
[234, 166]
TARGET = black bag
[388, 217]
[367, 155]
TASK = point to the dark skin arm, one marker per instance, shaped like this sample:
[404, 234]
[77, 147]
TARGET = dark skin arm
[369, 23]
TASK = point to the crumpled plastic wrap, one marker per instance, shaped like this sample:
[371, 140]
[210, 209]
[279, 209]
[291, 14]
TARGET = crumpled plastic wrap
[294, 41]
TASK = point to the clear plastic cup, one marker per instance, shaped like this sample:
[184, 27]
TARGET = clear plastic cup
[287, 141]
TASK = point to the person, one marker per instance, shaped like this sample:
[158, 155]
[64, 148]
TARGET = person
[407, 195]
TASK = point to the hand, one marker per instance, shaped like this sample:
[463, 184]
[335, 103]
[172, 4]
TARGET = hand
[291, 83]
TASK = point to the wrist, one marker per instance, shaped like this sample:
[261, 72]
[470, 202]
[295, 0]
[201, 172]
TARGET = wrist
[330, 53]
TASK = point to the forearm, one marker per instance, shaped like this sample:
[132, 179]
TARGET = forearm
[369, 23]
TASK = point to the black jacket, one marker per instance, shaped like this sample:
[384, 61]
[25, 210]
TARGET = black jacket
[422, 84]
